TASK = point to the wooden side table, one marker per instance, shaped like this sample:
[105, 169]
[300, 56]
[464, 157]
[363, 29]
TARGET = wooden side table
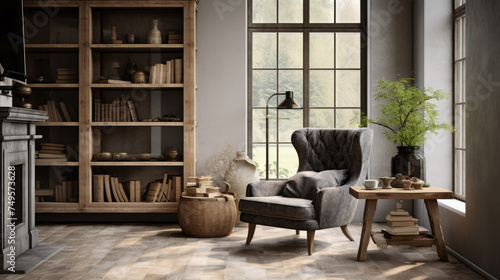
[430, 196]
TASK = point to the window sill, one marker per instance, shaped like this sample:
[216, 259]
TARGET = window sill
[454, 205]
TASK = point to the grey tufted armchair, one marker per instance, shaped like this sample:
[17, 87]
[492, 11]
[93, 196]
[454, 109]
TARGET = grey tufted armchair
[317, 197]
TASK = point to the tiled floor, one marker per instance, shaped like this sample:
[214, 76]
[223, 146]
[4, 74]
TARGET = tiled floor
[152, 251]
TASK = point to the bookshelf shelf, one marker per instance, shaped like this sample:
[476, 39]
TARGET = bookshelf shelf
[53, 86]
[52, 47]
[79, 37]
[137, 163]
[137, 124]
[152, 48]
[57, 163]
[58, 124]
[136, 86]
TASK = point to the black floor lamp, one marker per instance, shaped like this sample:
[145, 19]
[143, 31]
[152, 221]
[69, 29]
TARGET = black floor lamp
[288, 103]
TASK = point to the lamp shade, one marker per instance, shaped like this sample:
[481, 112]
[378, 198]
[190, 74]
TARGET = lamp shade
[289, 102]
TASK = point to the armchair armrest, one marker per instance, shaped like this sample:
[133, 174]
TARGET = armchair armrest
[334, 206]
[264, 188]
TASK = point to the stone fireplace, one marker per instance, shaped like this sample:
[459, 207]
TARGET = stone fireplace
[19, 236]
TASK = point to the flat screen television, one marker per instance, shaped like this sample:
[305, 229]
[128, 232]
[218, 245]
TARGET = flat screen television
[12, 52]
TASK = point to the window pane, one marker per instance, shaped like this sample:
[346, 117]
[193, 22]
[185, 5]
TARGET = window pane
[288, 161]
[321, 88]
[290, 11]
[459, 126]
[458, 82]
[348, 91]
[259, 157]
[289, 121]
[322, 50]
[348, 11]
[264, 11]
[344, 117]
[290, 50]
[348, 50]
[458, 38]
[264, 47]
[322, 118]
[264, 84]
[291, 80]
[259, 125]
[321, 11]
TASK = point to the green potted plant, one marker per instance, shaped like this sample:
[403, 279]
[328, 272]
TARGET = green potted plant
[408, 114]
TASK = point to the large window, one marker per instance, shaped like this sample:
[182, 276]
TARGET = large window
[315, 48]
[459, 99]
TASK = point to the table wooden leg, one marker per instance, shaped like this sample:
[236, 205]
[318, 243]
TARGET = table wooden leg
[437, 231]
[370, 206]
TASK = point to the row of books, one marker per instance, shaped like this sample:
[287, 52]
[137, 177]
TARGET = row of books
[120, 110]
[169, 189]
[67, 75]
[106, 188]
[168, 73]
[67, 191]
[399, 222]
[58, 113]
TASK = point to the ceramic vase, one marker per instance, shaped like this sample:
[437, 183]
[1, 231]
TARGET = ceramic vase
[154, 35]
[240, 173]
[409, 161]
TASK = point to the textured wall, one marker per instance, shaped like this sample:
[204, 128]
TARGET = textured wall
[389, 55]
[480, 243]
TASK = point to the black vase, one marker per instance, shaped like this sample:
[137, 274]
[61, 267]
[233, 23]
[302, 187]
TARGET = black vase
[409, 161]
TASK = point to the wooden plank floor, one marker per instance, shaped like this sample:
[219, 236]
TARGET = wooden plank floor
[153, 251]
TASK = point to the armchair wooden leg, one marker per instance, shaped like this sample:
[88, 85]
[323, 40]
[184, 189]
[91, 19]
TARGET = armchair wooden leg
[346, 232]
[251, 231]
[297, 232]
[310, 241]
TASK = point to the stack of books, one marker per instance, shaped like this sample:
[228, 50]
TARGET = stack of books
[51, 152]
[202, 187]
[399, 222]
[67, 75]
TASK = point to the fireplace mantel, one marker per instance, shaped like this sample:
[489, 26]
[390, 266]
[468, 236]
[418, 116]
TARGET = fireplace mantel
[17, 198]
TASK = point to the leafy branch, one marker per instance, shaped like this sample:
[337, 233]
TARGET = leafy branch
[407, 112]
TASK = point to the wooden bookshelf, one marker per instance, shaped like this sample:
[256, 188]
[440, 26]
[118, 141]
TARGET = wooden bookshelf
[79, 36]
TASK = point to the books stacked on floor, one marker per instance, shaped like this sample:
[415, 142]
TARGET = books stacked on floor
[58, 112]
[202, 186]
[106, 188]
[399, 222]
[67, 75]
[168, 73]
[175, 39]
[51, 152]
[120, 110]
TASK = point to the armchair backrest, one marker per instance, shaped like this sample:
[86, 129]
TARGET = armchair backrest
[326, 149]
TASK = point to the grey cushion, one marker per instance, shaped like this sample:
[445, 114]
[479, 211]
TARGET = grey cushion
[278, 207]
[306, 184]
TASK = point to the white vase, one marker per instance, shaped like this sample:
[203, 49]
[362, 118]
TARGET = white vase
[154, 35]
[240, 173]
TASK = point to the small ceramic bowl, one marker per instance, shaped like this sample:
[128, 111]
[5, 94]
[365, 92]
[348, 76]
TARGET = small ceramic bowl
[407, 184]
[103, 156]
[171, 155]
[418, 185]
[120, 156]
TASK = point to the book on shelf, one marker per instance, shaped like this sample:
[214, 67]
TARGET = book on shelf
[133, 112]
[410, 230]
[163, 193]
[402, 223]
[114, 189]
[153, 191]
[124, 195]
[178, 70]
[58, 112]
[65, 112]
[67, 75]
[129, 188]
[51, 156]
[98, 188]
[399, 218]
[67, 191]
[399, 212]
[178, 188]
[118, 110]
[107, 188]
